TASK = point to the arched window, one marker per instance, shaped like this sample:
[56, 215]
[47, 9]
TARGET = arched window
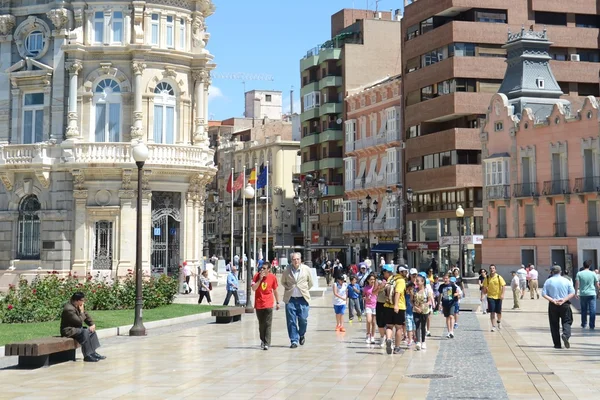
[164, 113]
[28, 247]
[107, 100]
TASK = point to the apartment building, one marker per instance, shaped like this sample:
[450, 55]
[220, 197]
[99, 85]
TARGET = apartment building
[372, 165]
[541, 162]
[364, 47]
[453, 63]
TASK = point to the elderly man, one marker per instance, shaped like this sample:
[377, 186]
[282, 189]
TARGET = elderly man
[559, 290]
[297, 281]
[71, 325]
[233, 285]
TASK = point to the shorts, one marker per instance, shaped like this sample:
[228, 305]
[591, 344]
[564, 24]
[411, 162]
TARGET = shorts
[449, 309]
[522, 285]
[379, 316]
[410, 323]
[393, 318]
[495, 306]
[372, 311]
[340, 310]
[457, 308]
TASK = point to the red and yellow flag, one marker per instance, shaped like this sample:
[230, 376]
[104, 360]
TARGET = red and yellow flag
[252, 178]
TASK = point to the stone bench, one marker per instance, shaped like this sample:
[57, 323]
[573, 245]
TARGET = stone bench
[228, 315]
[42, 352]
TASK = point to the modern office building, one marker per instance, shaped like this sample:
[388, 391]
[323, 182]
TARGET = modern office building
[453, 63]
[364, 47]
[541, 161]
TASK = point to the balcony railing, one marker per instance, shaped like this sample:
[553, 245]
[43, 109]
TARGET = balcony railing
[593, 228]
[498, 192]
[501, 231]
[529, 189]
[588, 184]
[560, 229]
[529, 230]
[557, 186]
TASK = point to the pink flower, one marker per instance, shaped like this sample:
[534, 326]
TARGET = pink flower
[34, 291]
[10, 307]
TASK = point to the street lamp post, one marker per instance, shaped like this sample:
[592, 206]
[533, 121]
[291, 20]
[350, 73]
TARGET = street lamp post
[140, 155]
[307, 193]
[368, 203]
[460, 213]
[219, 214]
[286, 214]
[402, 202]
[248, 195]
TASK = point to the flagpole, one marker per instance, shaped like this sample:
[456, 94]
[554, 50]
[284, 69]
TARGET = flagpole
[255, 216]
[231, 239]
[243, 227]
[267, 236]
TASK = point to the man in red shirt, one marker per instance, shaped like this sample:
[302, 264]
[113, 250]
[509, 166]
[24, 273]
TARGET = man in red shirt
[264, 285]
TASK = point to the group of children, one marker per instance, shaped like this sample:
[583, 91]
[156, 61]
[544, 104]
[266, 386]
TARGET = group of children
[425, 294]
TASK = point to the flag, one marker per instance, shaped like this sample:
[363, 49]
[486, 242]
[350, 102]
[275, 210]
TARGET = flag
[262, 178]
[252, 178]
[239, 182]
[230, 183]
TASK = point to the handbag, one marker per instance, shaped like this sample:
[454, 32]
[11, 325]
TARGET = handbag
[209, 285]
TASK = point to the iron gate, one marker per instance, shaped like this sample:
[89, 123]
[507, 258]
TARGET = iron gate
[165, 233]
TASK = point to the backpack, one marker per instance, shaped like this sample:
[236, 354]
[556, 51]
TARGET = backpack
[390, 291]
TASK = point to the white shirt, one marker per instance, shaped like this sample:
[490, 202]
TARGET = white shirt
[533, 274]
[522, 274]
[514, 284]
[295, 291]
[342, 291]
[187, 271]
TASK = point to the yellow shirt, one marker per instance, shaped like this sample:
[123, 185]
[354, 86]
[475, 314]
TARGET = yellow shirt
[400, 286]
[494, 286]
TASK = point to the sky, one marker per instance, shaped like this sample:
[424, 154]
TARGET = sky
[268, 37]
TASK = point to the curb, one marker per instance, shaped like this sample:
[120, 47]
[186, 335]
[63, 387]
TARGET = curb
[124, 330]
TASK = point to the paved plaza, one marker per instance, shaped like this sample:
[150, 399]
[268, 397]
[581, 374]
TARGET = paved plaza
[203, 360]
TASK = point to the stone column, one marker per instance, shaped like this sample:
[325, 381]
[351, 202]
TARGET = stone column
[146, 231]
[137, 132]
[79, 243]
[60, 20]
[200, 133]
[126, 249]
[7, 23]
[72, 132]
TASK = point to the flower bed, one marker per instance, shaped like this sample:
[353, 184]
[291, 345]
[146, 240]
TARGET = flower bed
[43, 298]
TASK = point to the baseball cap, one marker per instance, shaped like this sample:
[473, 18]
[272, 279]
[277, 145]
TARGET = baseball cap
[423, 274]
[453, 279]
[413, 271]
[388, 268]
[402, 269]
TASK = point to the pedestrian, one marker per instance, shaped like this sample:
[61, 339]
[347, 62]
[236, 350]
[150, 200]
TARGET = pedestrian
[187, 275]
[522, 275]
[296, 281]
[340, 298]
[533, 282]
[597, 272]
[448, 297]
[494, 286]
[370, 291]
[379, 307]
[353, 270]
[337, 269]
[264, 286]
[354, 299]
[394, 307]
[482, 296]
[457, 302]
[236, 261]
[514, 285]
[458, 279]
[327, 271]
[72, 319]
[410, 321]
[436, 281]
[205, 287]
[430, 274]
[559, 290]
[421, 298]
[381, 262]
[586, 286]
[232, 287]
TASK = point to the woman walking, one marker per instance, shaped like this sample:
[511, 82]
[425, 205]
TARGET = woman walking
[370, 294]
[482, 296]
[421, 298]
[205, 288]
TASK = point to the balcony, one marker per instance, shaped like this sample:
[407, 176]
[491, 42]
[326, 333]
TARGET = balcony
[333, 132]
[560, 229]
[310, 166]
[529, 230]
[334, 190]
[329, 54]
[330, 108]
[309, 114]
[349, 185]
[330, 81]
[333, 161]
[556, 187]
[393, 178]
[393, 135]
[310, 139]
[498, 192]
[450, 139]
[350, 146]
[311, 60]
[529, 189]
[447, 107]
[391, 224]
[364, 142]
[448, 177]
[593, 228]
[588, 184]
[309, 88]
[501, 231]
[353, 226]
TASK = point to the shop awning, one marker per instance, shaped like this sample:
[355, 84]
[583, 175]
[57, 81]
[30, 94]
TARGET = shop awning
[384, 248]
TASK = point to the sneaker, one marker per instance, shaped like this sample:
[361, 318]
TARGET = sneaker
[418, 346]
[566, 341]
[498, 325]
[359, 319]
[451, 335]
[302, 340]
[350, 320]
[424, 346]
[342, 329]
[372, 340]
[455, 326]
[493, 329]
[368, 339]
[388, 346]
[428, 334]
[293, 345]
[397, 350]
[485, 312]
[382, 342]
[448, 336]
[266, 347]
[262, 345]
[337, 328]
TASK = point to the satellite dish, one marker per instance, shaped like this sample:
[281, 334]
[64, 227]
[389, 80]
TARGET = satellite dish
[339, 121]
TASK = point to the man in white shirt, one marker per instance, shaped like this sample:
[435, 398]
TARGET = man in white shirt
[522, 275]
[187, 274]
[517, 293]
[533, 282]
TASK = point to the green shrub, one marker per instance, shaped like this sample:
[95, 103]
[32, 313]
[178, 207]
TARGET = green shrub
[43, 298]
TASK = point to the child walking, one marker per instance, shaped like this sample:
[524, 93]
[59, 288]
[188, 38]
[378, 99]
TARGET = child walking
[422, 298]
[340, 297]
[370, 295]
[354, 299]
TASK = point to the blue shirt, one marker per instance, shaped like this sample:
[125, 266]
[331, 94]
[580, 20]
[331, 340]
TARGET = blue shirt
[557, 287]
[232, 282]
[351, 293]
[409, 306]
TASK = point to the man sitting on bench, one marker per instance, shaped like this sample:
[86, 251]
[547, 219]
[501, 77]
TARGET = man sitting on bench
[71, 325]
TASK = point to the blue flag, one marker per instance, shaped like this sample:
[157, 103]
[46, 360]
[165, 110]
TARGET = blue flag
[262, 178]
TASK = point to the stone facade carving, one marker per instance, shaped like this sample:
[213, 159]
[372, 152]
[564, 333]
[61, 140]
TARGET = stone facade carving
[7, 23]
[72, 129]
[59, 18]
[74, 67]
[8, 179]
[78, 179]
[43, 177]
[126, 182]
[138, 67]
[199, 35]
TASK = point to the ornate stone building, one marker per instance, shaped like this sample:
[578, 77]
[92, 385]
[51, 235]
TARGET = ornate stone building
[80, 83]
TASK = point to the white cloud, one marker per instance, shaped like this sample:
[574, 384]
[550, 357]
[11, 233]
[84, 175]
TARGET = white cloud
[214, 93]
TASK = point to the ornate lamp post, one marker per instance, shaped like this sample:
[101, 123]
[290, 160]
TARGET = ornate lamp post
[307, 193]
[140, 155]
[286, 214]
[370, 207]
[403, 202]
[248, 195]
[460, 213]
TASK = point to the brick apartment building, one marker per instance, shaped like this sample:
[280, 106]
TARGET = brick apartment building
[541, 167]
[453, 63]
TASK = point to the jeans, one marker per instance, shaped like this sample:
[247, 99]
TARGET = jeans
[296, 315]
[421, 327]
[560, 315]
[265, 320]
[361, 301]
[354, 305]
[228, 297]
[588, 306]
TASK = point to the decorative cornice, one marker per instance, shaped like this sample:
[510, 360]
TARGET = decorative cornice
[8, 179]
[59, 18]
[138, 67]
[7, 23]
